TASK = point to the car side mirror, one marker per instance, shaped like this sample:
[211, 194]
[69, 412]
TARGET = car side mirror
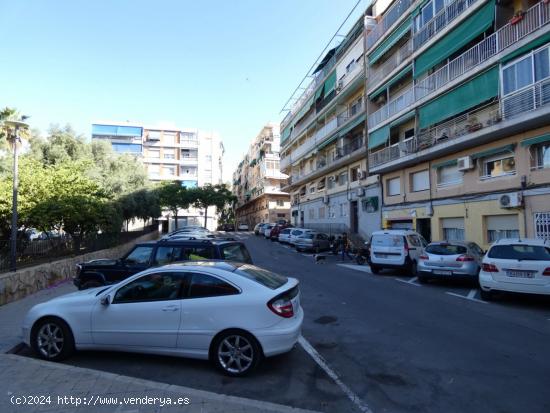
[106, 300]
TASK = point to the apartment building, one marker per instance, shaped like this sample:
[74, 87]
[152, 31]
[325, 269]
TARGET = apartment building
[257, 181]
[189, 156]
[458, 104]
[323, 138]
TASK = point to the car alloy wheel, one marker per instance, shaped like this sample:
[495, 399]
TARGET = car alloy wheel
[52, 339]
[237, 354]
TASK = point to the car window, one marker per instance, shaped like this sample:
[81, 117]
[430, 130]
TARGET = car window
[520, 252]
[476, 248]
[285, 231]
[166, 254]
[266, 278]
[197, 253]
[446, 249]
[387, 240]
[296, 232]
[203, 285]
[140, 255]
[322, 236]
[151, 287]
[414, 241]
[236, 252]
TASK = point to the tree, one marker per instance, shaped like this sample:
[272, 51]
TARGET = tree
[212, 195]
[173, 196]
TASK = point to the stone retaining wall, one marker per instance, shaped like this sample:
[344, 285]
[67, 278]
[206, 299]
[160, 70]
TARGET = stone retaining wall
[26, 281]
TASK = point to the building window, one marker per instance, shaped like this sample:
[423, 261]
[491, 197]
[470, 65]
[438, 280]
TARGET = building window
[169, 170]
[312, 189]
[428, 12]
[343, 210]
[525, 71]
[280, 202]
[169, 138]
[540, 156]
[154, 169]
[393, 186]
[501, 226]
[354, 174]
[452, 229]
[449, 175]
[311, 213]
[130, 148]
[321, 212]
[153, 153]
[331, 182]
[542, 225]
[500, 165]
[343, 178]
[420, 181]
[169, 154]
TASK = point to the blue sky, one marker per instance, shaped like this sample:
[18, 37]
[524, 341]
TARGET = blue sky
[226, 66]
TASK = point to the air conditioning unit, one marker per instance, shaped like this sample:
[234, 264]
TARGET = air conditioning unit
[465, 163]
[332, 178]
[362, 174]
[361, 192]
[512, 200]
[340, 85]
[325, 199]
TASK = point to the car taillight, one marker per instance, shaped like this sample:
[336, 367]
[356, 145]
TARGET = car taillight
[489, 267]
[546, 271]
[465, 258]
[424, 257]
[282, 307]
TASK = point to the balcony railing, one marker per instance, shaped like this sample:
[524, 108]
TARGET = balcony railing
[377, 73]
[535, 18]
[526, 100]
[441, 20]
[354, 109]
[388, 19]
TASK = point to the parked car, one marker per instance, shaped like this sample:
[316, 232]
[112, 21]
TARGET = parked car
[187, 230]
[258, 229]
[312, 241]
[276, 230]
[243, 227]
[516, 265]
[396, 249]
[96, 273]
[251, 313]
[450, 259]
[267, 230]
[297, 232]
[226, 227]
[284, 235]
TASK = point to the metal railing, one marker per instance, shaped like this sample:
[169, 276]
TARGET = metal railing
[377, 73]
[441, 20]
[388, 19]
[353, 111]
[385, 155]
[395, 105]
[527, 99]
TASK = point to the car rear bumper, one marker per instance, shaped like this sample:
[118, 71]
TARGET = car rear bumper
[281, 340]
[487, 282]
[446, 273]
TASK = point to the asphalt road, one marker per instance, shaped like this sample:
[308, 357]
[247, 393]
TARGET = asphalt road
[395, 345]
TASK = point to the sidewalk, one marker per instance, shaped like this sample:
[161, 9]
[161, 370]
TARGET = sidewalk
[95, 391]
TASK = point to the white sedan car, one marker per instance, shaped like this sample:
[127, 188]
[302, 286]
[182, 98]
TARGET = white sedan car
[230, 313]
[516, 265]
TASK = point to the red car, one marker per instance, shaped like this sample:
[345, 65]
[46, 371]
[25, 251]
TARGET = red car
[274, 235]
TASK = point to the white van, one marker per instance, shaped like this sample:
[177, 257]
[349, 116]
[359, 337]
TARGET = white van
[397, 249]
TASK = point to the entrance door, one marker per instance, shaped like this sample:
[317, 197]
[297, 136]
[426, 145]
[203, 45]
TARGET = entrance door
[354, 219]
[424, 228]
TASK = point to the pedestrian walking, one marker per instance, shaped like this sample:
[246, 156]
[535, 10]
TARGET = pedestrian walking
[345, 247]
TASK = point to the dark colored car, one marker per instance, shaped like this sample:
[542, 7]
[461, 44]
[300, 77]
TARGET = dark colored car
[156, 253]
[226, 227]
[276, 230]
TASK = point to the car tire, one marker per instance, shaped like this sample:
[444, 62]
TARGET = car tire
[422, 279]
[236, 353]
[52, 339]
[486, 295]
[91, 284]
[374, 269]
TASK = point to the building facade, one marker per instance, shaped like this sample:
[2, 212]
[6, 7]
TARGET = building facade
[192, 157]
[323, 142]
[258, 180]
[458, 105]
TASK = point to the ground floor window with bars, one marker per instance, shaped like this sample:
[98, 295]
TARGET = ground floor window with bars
[542, 225]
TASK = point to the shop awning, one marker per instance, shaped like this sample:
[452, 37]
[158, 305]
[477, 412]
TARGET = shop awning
[379, 137]
[390, 40]
[352, 124]
[535, 140]
[527, 48]
[494, 151]
[460, 99]
[472, 27]
[391, 82]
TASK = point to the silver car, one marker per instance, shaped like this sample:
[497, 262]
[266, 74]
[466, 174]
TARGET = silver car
[312, 241]
[450, 259]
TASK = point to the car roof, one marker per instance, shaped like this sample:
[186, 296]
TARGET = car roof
[527, 241]
[197, 265]
[395, 232]
[451, 242]
[198, 241]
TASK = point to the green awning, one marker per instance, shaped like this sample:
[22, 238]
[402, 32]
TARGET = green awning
[379, 137]
[286, 133]
[494, 151]
[391, 82]
[330, 83]
[403, 119]
[450, 162]
[460, 99]
[352, 124]
[527, 48]
[327, 142]
[535, 140]
[319, 92]
[472, 27]
[390, 40]
[305, 109]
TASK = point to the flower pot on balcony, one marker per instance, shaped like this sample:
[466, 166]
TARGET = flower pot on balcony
[517, 17]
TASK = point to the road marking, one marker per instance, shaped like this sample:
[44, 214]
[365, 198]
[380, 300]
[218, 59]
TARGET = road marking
[308, 255]
[472, 293]
[466, 297]
[362, 268]
[412, 281]
[332, 374]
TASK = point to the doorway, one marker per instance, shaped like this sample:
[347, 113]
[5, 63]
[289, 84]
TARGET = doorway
[354, 218]
[424, 228]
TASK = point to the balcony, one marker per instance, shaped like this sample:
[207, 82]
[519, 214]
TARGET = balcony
[526, 100]
[395, 105]
[441, 20]
[393, 14]
[378, 73]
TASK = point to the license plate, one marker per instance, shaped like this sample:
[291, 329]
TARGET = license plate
[443, 272]
[382, 255]
[520, 274]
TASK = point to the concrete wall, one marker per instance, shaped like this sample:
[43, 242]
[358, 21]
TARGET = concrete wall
[26, 281]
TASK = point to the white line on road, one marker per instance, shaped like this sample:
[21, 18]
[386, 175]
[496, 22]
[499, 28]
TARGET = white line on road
[412, 281]
[472, 293]
[466, 297]
[332, 374]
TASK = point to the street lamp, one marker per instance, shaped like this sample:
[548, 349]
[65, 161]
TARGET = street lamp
[13, 127]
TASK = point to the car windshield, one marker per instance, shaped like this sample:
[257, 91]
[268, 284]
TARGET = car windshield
[266, 278]
[445, 249]
[387, 240]
[520, 252]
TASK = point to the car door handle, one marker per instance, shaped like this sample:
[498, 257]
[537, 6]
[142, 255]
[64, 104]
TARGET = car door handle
[171, 308]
